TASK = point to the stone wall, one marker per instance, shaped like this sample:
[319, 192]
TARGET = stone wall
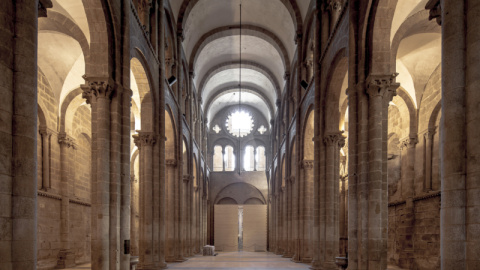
[48, 231]
[80, 231]
[426, 237]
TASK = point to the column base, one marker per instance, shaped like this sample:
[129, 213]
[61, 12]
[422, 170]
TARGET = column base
[306, 260]
[287, 255]
[316, 265]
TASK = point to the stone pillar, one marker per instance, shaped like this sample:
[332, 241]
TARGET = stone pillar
[133, 213]
[331, 242]
[147, 260]
[343, 218]
[306, 211]
[380, 90]
[46, 134]
[99, 92]
[171, 240]
[66, 258]
[185, 224]
[288, 218]
[18, 135]
[407, 225]
[318, 131]
[459, 152]
[428, 158]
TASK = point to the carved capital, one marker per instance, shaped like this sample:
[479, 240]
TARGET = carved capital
[144, 139]
[292, 179]
[286, 76]
[42, 7]
[97, 87]
[298, 37]
[428, 135]
[133, 179]
[192, 74]
[171, 162]
[383, 86]
[186, 178]
[408, 143]
[66, 141]
[180, 35]
[307, 164]
[435, 11]
[335, 138]
[45, 132]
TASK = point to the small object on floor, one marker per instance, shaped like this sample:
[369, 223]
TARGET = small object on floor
[209, 250]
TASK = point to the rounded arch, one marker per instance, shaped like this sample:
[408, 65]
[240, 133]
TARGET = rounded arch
[378, 36]
[41, 117]
[433, 117]
[240, 192]
[170, 134]
[415, 24]
[232, 89]
[235, 65]
[99, 19]
[336, 76]
[69, 106]
[412, 111]
[308, 134]
[57, 22]
[227, 200]
[232, 30]
[141, 87]
[255, 201]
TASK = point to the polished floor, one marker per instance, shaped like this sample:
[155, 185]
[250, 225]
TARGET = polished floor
[231, 260]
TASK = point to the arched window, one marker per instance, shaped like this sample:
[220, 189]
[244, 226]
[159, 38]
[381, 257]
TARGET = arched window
[229, 159]
[217, 158]
[260, 159]
[249, 159]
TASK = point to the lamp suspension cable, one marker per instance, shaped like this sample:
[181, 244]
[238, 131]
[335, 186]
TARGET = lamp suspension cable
[240, 94]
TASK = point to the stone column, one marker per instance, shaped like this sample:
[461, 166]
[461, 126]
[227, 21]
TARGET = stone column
[288, 219]
[147, 260]
[343, 218]
[428, 158]
[380, 90]
[66, 256]
[306, 211]
[459, 234]
[46, 134]
[99, 92]
[185, 224]
[18, 135]
[170, 237]
[331, 242]
[407, 226]
[133, 213]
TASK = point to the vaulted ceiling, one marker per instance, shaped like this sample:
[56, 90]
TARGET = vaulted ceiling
[211, 43]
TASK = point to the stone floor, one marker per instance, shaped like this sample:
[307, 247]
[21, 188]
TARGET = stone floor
[239, 260]
[231, 260]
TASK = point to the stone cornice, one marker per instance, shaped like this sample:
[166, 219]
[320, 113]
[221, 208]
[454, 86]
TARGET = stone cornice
[49, 195]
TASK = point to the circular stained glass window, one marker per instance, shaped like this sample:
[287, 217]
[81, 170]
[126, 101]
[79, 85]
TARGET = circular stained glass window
[239, 123]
